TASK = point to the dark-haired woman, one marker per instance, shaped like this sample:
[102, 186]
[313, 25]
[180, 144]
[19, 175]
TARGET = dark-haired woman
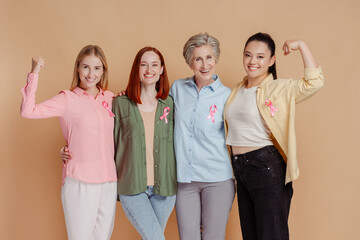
[260, 120]
[144, 146]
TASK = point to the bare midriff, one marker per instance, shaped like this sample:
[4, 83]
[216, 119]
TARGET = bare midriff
[241, 150]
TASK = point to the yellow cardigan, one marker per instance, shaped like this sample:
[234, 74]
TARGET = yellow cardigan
[284, 94]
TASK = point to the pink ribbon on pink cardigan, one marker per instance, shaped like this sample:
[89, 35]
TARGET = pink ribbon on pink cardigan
[166, 112]
[106, 106]
[212, 110]
[271, 106]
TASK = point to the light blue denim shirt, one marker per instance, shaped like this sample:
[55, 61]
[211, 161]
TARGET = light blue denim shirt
[199, 134]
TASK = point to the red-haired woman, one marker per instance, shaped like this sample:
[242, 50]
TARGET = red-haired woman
[144, 146]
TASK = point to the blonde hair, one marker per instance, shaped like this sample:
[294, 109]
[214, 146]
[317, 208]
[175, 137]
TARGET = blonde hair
[199, 40]
[88, 51]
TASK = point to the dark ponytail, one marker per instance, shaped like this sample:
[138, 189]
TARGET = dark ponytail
[265, 38]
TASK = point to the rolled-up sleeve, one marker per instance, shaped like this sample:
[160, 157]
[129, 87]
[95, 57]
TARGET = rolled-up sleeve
[312, 82]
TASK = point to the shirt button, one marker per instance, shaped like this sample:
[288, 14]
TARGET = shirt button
[189, 150]
[155, 182]
[156, 165]
[156, 150]
[157, 122]
[156, 136]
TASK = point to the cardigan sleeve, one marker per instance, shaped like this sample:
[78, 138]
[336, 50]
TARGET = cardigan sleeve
[312, 82]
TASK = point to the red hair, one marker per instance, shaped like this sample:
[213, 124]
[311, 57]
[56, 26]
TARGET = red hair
[133, 87]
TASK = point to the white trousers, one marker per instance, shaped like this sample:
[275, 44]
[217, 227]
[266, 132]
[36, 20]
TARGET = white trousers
[89, 209]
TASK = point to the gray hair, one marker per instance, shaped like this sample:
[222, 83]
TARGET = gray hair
[199, 40]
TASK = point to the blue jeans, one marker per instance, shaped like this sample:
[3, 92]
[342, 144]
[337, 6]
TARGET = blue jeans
[148, 212]
[263, 198]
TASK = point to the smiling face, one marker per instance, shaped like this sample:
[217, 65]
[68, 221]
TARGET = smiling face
[90, 71]
[150, 68]
[203, 63]
[257, 60]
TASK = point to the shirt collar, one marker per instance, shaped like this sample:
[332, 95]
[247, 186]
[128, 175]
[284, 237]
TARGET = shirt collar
[80, 91]
[212, 86]
[161, 100]
[266, 80]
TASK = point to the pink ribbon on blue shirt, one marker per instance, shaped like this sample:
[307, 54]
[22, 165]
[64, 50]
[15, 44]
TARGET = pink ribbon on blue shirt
[212, 110]
[106, 106]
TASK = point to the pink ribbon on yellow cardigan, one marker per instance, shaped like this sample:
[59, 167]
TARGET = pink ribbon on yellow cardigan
[271, 106]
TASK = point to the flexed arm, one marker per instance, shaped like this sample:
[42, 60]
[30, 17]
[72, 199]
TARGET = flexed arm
[307, 56]
[53, 107]
[313, 79]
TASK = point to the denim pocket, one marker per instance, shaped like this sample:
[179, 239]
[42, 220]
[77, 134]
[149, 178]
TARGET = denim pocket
[258, 164]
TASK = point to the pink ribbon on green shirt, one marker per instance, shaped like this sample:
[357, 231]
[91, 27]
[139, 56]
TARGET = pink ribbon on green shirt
[212, 110]
[166, 112]
[106, 106]
[271, 106]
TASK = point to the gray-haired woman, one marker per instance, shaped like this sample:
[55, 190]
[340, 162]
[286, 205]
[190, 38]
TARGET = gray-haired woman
[204, 174]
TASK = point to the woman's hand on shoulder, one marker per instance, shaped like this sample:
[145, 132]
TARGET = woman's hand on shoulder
[292, 45]
[37, 64]
[122, 93]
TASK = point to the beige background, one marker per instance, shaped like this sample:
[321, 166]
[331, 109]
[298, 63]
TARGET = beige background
[326, 199]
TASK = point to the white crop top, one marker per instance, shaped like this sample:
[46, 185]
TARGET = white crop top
[246, 127]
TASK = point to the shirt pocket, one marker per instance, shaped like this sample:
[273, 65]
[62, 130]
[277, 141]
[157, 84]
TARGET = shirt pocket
[215, 129]
[129, 128]
[166, 129]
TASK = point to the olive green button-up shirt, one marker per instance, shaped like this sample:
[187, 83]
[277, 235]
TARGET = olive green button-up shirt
[130, 155]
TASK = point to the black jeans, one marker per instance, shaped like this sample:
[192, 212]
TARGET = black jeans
[263, 198]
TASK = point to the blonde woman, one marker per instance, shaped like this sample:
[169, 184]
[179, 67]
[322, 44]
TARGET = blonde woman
[88, 189]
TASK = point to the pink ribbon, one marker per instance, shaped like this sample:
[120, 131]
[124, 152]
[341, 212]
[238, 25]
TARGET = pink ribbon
[166, 112]
[212, 110]
[106, 106]
[272, 107]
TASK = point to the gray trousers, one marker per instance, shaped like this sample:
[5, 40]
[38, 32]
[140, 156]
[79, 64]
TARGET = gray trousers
[202, 209]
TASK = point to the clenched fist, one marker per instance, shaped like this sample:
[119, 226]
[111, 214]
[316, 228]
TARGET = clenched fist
[37, 64]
